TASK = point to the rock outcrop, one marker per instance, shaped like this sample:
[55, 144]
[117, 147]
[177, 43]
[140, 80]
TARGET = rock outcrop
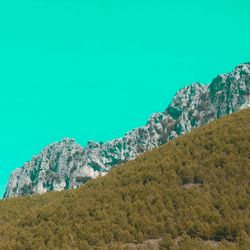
[66, 164]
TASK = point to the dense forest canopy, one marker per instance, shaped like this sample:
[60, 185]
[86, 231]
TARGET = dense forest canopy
[190, 191]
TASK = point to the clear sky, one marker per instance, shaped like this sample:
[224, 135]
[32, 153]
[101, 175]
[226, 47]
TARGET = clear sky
[96, 69]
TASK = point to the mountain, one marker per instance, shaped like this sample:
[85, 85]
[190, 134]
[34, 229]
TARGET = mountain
[190, 193]
[67, 165]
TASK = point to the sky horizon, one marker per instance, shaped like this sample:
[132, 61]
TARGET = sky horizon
[94, 70]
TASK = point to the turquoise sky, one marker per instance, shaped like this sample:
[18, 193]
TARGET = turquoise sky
[96, 69]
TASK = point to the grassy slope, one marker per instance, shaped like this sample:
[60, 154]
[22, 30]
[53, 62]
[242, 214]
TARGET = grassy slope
[147, 198]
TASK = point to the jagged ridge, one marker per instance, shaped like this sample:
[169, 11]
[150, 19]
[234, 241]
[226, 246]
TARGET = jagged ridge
[66, 164]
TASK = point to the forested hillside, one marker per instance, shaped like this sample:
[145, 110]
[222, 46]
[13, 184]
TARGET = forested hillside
[186, 192]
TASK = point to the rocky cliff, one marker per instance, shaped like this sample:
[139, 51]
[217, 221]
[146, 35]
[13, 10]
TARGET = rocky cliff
[66, 164]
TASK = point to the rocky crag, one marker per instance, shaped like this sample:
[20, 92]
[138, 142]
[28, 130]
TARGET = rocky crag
[66, 164]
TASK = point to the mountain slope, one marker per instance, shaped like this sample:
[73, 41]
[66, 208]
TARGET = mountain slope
[196, 186]
[67, 165]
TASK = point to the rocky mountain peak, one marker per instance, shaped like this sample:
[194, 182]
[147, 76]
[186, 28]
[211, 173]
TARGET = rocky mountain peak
[242, 68]
[186, 97]
[93, 144]
[66, 164]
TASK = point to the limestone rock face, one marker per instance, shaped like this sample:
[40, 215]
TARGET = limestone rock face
[66, 164]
